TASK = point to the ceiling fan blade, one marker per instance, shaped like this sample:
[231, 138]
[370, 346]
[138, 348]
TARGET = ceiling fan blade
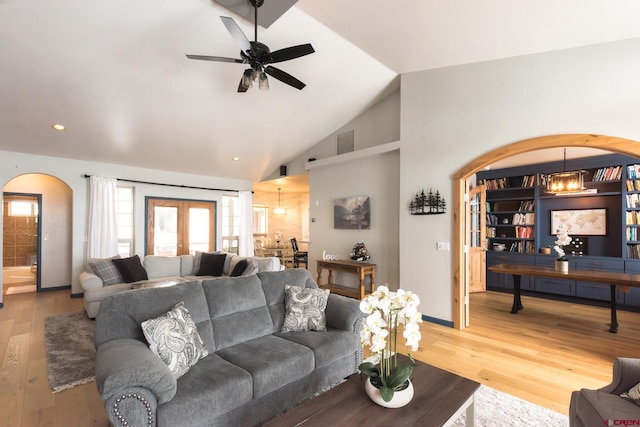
[290, 53]
[215, 58]
[241, 88]
[284, 77]
[236, 33]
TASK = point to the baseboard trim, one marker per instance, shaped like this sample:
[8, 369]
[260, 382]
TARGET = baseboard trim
[437, 321]
[78, 295]
[56, 288]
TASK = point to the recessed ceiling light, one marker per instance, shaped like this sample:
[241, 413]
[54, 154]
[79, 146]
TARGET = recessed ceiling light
[58, 126]
[235, 159]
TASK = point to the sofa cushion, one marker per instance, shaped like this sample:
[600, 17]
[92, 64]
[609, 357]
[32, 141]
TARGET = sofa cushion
[210, 388]
[267, 263]
[174, 338]
[211, 264]
[186, 265]
[591, 404]
[162, 266]
[106, 270]
[327, 346]
[273, 362]
[131, 269]
[304, 309]
[237, 308]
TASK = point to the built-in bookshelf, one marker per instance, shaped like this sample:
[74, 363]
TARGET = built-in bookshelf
[632, 211]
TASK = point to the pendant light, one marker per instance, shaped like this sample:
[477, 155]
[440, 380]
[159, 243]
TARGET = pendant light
[566, 182]
[279, 210]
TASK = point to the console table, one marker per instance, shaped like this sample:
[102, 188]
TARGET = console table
[613, 279]
[361, 269]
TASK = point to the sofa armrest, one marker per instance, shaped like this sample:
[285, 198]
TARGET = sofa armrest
[343, 313]
[124, 363]
[626, 374]
[90, 281]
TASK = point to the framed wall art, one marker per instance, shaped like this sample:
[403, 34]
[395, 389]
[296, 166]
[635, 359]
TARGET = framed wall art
[352, 213]
[580, 222]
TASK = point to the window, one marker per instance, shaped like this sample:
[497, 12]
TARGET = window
[124, 220]
[230, 223]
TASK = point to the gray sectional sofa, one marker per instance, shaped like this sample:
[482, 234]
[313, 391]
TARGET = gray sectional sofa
[252, 372]
[178, 269]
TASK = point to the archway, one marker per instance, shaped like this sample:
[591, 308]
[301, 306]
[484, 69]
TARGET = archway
[609, 143]
[54, 227]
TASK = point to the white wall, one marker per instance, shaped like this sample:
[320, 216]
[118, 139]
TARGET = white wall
[375, 176]
[452, 115]
[72, 173]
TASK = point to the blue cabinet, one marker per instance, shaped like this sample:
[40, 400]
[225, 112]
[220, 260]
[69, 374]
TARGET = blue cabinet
[597, 291]
[553, 286]
[632, 297]
[496, 281]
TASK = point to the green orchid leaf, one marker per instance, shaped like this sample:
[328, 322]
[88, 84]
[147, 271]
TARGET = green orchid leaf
[386, 393]
[399, 376]
[369, 369]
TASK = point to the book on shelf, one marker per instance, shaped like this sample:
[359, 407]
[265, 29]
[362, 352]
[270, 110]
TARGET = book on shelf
[633, 185]
[633, 251]
[633, 217]
[609, 173]
[633, 200]
[526, 205]
[520, 218]
[633, 171]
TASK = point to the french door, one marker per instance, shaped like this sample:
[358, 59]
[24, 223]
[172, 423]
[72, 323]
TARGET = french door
[180, 227]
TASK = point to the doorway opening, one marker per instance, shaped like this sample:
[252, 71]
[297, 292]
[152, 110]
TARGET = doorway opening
[21, 243]
[460, 186]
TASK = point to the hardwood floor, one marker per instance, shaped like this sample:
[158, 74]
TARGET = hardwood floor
[540, 354]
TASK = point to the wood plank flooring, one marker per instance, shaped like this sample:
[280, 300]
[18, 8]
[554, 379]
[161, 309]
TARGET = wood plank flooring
[540, 354]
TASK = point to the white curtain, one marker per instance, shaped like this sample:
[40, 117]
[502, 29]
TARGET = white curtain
[245, 243]
[102, 226]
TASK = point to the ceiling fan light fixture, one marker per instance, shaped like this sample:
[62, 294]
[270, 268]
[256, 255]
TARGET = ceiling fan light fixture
[263, 82]
[247, 78]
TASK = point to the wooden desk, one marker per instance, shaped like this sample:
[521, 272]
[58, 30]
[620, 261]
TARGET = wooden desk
[623, 280]
[361, 269]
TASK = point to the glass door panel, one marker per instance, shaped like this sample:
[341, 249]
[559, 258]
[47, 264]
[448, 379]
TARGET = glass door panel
[199, 232]
[165, 231]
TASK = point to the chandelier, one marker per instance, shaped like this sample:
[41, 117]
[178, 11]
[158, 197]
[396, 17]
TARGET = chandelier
[566, 182]
[279, 210]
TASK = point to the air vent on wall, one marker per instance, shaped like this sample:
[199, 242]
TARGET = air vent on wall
[345, 142]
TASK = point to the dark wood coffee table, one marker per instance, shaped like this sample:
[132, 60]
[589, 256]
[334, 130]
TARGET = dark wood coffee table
[440, 397]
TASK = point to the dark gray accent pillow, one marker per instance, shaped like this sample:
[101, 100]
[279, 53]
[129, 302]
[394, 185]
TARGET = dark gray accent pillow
[106, 270]
[304, 309]
[174, 338]
[131, 269]
[211, 264]
[239, 268]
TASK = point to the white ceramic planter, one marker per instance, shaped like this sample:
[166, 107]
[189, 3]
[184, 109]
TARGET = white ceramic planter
[562, 266]
[399, 399]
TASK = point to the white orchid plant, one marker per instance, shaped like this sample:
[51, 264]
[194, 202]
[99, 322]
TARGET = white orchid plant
[563, 239]
[386, 311]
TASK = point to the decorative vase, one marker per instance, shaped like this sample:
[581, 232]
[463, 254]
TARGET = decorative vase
[399, 399]
[562, 265]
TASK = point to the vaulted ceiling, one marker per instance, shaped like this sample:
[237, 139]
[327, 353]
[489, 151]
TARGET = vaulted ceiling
[115, 72]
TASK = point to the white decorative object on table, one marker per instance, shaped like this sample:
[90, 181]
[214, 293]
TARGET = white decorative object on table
[386, 310]
[563, 239]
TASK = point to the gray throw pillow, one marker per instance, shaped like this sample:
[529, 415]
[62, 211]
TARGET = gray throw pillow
[304, 309]
[174, 338]
[106, 270]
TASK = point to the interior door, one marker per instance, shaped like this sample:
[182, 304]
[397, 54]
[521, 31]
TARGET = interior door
[476, 235]
[179, 227]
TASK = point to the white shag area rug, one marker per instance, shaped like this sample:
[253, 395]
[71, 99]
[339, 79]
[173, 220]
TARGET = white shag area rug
[494, 408]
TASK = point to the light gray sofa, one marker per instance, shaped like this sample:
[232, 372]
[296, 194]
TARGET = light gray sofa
[161, 269]
[253, 371]
[596, 407]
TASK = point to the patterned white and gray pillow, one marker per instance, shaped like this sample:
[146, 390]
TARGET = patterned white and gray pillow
[304, 309]
[175, 339]
[633, 394]
[106, 270]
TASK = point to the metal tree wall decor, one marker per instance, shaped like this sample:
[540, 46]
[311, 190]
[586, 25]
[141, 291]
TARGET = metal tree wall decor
[427, 204]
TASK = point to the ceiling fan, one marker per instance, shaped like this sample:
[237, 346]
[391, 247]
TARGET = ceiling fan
[258, 56]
